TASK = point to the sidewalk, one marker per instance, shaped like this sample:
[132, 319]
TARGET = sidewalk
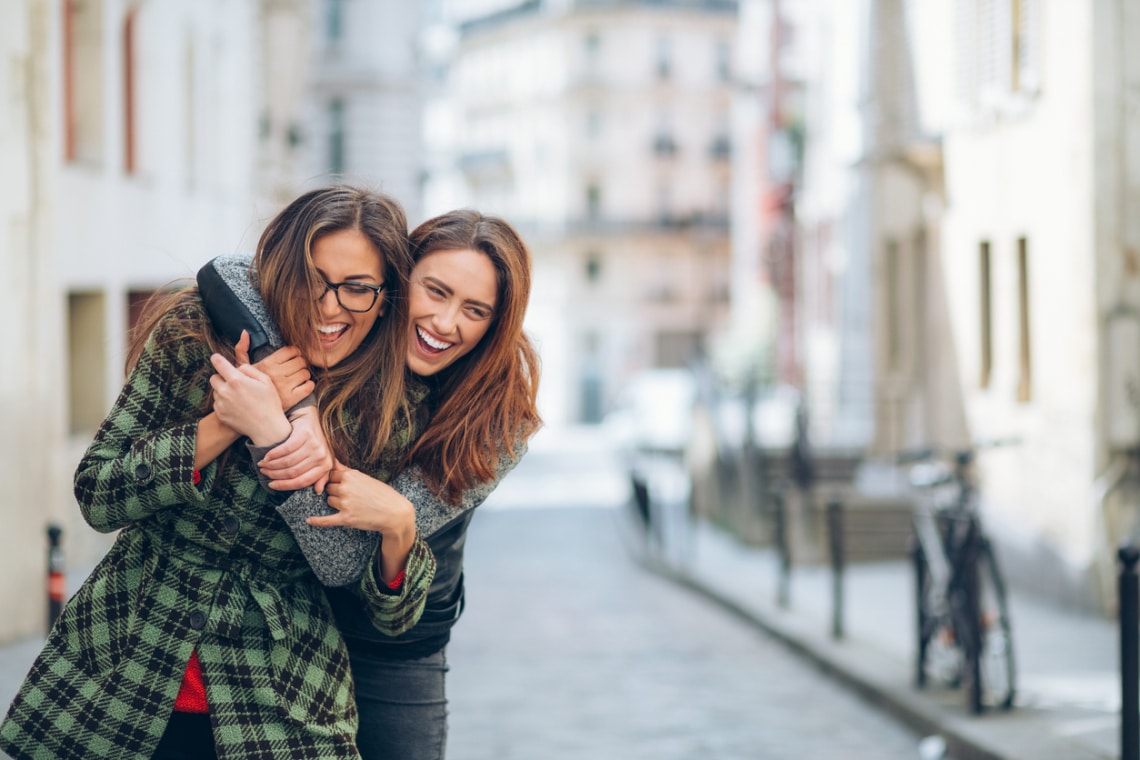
[1068, 687]
[1068, 679]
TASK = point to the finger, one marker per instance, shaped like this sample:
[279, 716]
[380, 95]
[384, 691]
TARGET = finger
[295, 470]
[299, 375]
[321, 483]
[328, 521]
[290, 365]
[286, 355]
[223, 367]
[304, 480]
[280, 466]
[251, 371]
[241, 350]
[281, 452]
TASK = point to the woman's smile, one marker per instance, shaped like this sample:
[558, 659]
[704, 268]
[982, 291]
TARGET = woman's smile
[451, 305]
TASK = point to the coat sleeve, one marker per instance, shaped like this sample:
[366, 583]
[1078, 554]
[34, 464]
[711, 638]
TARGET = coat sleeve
[142, 458]
[340, 556]
[432, 513]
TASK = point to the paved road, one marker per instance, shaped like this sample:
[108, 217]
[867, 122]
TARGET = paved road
[569, 649]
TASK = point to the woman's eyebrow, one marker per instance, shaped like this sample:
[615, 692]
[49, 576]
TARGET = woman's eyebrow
[450, 291]
[475, 302]
[439, 283]
[349, 278]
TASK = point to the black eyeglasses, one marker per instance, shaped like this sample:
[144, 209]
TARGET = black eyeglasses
[353, 296]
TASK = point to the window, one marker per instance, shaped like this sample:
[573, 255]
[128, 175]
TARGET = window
[593, 45]
[1026, 45]
[723, 61]
[593, 267]
[87, 361]
[334, 20]
[663, 144]
[83, 81]
[664, 56]
[337, 137]
[593, 123]
[894, 305]
[593, 200]
[676, 349]
[985, 295]
[130, 158]
[191, 114]
[665, 201]
[1024, 356]
[998, 51]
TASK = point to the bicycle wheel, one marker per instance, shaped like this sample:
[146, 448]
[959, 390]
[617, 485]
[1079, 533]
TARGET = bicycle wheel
[940, 655]
[921, 589]
[995, 664]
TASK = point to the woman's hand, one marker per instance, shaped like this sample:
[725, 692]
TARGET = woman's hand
[303, 460]
[246, 401]
[363, 502]
[286, 367]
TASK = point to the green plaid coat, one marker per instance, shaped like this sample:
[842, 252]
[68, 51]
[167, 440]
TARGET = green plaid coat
[210, 567]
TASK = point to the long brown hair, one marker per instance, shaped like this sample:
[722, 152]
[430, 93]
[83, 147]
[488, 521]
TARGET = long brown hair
[487, 398]
[371, 379]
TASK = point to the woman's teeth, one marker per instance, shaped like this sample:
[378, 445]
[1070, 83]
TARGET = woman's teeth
[331, 330]
[438, 345]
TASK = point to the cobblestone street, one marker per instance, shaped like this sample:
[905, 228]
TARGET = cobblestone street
[569, 649]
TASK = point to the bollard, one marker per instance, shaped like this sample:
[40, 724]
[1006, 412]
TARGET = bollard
[55, 583]
[835, 534]
[1129, 655]
[783, 588]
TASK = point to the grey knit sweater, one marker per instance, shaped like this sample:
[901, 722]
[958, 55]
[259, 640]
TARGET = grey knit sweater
[339, 556]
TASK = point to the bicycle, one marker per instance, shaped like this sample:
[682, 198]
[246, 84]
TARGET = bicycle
[962, 620]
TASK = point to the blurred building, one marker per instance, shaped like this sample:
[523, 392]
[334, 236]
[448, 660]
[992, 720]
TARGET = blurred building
[33, 434]
[353, 97]
[602, 129]
[969, 170]
[132, 154]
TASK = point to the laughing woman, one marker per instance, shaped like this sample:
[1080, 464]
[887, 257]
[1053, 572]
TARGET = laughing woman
[204, 632]
[475, 374]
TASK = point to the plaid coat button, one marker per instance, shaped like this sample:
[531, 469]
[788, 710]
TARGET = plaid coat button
[142, 472]
[230, 525]
[197, 620]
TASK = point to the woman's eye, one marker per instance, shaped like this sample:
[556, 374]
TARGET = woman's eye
[477, 313]
[357, 290]
[435, 291]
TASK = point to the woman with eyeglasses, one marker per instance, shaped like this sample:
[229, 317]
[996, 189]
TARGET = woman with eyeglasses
[204, 631]
[475, 374]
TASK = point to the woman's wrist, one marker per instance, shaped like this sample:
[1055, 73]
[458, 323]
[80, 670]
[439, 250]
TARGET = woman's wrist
[395, 548]
[273, 433]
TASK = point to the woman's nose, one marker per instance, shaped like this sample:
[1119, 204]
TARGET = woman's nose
[328, 303]
[445, 321]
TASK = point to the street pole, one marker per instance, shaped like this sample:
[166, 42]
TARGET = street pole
[1129, 655]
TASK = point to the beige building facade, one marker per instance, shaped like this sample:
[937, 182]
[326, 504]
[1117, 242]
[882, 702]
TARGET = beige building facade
[603, 131]
[988, 213]
[131, 152]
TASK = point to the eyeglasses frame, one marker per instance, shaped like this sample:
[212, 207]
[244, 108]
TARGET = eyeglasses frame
[336, 286]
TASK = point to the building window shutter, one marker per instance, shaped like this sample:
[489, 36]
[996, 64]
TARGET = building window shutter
[966, 38]
[1027, 57]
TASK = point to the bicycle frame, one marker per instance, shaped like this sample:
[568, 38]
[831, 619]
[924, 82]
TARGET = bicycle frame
[953, 564]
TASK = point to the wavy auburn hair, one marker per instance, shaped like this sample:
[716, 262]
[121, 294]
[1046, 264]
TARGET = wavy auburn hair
[368, 385]
[487, 398]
